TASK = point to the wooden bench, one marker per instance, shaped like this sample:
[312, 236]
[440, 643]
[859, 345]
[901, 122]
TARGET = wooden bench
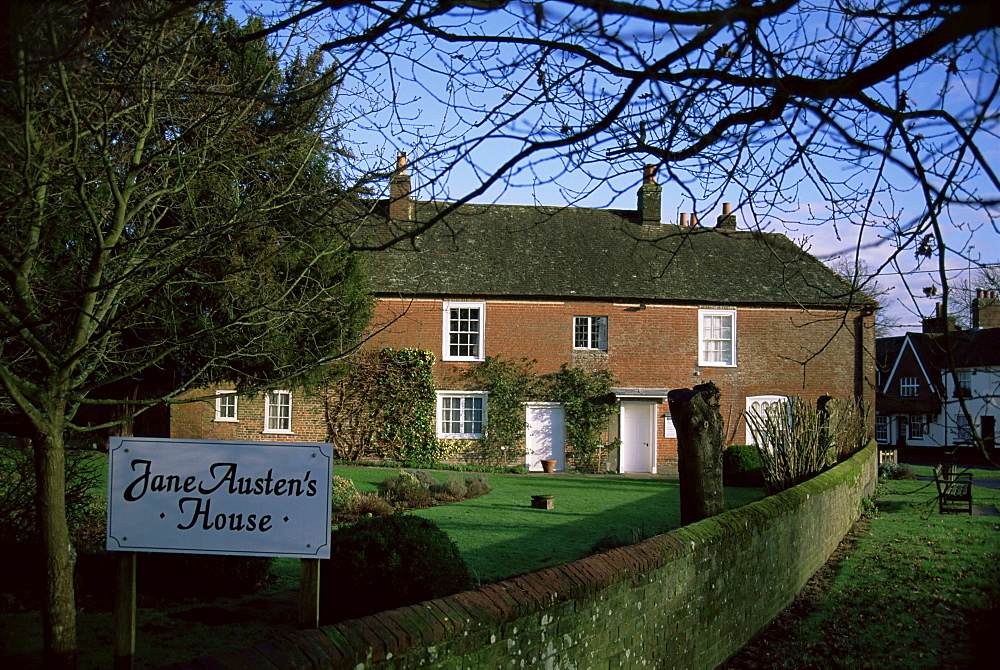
[954, 490]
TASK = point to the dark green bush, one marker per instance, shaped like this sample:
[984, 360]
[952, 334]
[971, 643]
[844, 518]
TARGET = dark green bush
[741, 466]
[405, 491]
[179, 576]
[388, 562]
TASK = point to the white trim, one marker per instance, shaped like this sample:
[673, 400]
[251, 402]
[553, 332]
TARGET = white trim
[439, 414]
[602, 335]
[907, 342]
[769, 400]
[702, 313]
[449, 305]
[286, 430]
[219, 394]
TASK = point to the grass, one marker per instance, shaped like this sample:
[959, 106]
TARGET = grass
[917, 589]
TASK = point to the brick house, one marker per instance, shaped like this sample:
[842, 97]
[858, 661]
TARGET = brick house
[918, 403]
[660, 306]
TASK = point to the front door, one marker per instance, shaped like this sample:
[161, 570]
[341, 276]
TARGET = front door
[902, 430]
[989, 428]
[545, 437]
[638, 435]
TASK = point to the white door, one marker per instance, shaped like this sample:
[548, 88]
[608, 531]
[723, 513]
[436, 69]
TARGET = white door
[638, 435]
[546, 434]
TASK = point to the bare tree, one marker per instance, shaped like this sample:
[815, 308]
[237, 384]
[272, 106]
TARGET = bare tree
[862, 276]
[872, 120]
[171, 217]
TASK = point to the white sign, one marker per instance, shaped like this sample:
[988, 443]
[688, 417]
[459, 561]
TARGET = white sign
[219, 497]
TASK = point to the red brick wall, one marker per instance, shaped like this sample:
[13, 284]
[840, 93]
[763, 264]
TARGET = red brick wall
[195, 420]
[779, 351]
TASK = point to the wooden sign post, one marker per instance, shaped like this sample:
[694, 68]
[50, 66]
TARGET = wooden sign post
[124, 615]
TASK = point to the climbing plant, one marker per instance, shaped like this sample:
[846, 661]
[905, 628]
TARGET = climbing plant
[589, 404]
[384, 406]
[510, 383]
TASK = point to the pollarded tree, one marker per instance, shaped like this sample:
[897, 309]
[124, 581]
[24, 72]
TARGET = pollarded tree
[171, 217]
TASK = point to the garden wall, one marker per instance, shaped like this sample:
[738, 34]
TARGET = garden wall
[685, 599]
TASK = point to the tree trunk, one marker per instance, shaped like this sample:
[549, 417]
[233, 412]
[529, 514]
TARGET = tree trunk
[699, 424]
[59, 612]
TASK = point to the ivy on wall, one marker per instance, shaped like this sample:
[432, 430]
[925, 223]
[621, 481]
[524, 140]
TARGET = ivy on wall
[384, 406]
[510, 384]
[589, 404]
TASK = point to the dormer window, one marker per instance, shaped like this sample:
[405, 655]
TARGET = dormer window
[908, 387]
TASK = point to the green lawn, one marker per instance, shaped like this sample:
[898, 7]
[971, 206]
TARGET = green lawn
[500, 534]
[918, 589]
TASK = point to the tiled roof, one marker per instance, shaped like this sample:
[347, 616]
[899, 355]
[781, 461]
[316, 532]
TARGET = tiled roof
[970, 348]
[546, 252]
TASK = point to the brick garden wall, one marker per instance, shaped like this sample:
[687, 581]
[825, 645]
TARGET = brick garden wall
[685, 599]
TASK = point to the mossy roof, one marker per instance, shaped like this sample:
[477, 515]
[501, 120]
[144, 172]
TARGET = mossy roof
[600, 254]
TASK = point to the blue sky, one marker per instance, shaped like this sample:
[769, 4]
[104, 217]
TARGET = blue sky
[436, 109]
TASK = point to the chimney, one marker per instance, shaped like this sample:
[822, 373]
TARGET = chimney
[649, 196]
[985, 309]
[727, 221]
[684, 220]
[400, 203]
[938, 323]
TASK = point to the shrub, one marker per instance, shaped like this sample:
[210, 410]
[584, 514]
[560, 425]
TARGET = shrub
[368, 504]
[385, 563]
[889, 470]
[477, 486]
[342, 493]
[403, 490]
[178, 576]
[452, 490]
[741, 466]
[425, 478]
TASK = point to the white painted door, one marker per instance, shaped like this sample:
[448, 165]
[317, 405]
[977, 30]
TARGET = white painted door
[638, 434]
[546, 434]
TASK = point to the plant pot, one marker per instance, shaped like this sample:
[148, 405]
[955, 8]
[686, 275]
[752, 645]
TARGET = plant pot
[548, 465]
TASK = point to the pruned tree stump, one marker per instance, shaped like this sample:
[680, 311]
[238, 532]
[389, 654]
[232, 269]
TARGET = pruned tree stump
[543, 501]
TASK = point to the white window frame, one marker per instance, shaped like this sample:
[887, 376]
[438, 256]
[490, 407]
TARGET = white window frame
[283, 423]
[766, 400]
[909, 387]
[964, 384]
[448, 397]
[962, 432]
[917, 427]
[226, 405]
[882, 429]
[447, 332]
[594, 330]
[703, 314]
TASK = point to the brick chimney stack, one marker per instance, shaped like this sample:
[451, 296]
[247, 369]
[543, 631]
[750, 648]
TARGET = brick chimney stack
[985, 309]
[649, 196]
[728, 220]
[938, 323]
[400, 202]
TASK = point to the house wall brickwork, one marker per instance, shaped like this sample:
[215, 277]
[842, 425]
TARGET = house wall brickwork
[655, 346]
[195, 419]
[650, 346]
[689, 598]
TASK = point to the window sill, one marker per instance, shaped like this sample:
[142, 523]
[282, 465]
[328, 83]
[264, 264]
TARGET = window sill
[462, 436]
[277, 432]
[226, 420]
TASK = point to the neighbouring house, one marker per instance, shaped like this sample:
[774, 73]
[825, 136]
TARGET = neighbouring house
[659, 305]
[926, 377]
